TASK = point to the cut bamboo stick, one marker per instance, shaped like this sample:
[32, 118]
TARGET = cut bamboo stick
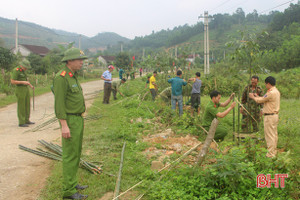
[118, 183]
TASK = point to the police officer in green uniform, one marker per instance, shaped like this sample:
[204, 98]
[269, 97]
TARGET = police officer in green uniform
[252, 107]
[211, 112]
[69, 107]
[115, 87]
[19, 78]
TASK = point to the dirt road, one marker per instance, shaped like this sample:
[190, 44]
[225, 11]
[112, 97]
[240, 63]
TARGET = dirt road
[22, 174]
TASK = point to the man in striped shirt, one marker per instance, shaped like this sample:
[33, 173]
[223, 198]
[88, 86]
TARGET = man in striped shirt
[107, 77]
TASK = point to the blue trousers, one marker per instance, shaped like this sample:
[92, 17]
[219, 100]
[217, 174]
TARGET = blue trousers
[178, 99]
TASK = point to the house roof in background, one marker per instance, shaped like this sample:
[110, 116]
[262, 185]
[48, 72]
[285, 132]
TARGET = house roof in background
[40, 50]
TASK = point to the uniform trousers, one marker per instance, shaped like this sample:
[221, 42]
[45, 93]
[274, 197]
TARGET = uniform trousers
[114, 91]
[23, 98]
[220, 133]
[71, 148]
[271, 134]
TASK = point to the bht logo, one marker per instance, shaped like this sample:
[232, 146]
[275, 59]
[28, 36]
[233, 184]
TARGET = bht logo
[263, 181]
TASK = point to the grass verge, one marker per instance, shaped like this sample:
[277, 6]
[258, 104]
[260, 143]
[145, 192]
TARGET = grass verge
[231, 173]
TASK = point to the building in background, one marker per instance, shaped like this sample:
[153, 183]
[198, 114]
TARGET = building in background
[26, 50]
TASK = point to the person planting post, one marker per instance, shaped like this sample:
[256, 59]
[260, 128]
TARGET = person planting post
[211, 112]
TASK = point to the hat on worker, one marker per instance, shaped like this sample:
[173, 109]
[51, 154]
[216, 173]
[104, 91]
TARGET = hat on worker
[73, 54]
[25, 63]
[111, 67]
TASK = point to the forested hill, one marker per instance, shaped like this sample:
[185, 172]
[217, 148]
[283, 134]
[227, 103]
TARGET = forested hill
[221, 26]
[30, 33]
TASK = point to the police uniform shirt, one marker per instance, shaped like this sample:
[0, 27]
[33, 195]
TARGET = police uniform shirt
[271, 101]
[116, 84]
[210, 113]
[19, 74]
[68, 94]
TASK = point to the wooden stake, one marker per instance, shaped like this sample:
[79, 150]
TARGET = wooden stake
[209, 138]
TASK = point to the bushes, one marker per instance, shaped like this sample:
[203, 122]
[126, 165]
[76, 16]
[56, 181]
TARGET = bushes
[232, 177]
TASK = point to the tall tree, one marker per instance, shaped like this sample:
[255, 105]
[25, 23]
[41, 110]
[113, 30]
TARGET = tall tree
[123, 60]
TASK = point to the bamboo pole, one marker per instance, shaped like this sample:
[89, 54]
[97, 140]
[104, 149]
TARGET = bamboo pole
[143, 98]
[245, 110]
[58, 156]
[118, 183]
[162, 169]
[33, 99]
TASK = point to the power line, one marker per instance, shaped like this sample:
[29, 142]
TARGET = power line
[220, 5]
[236, 5]
[276, 6]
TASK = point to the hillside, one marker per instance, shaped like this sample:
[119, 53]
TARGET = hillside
[30, 33]
[222, 29]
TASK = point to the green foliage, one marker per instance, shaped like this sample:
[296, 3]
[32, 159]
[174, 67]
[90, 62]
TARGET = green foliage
[246, 52]
[6, 59]
[123, 60]
[36, 64]
[290, 15]
[233, 176]
[285, 56]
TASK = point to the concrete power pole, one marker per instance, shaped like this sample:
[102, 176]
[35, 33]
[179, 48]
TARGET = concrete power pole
[206, 42]
[176, 52]
[143, 54]
[79, 42]
[17, 36]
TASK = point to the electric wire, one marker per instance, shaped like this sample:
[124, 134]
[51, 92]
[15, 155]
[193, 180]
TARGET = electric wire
[219, 5]
[276, 7]
[235, 6]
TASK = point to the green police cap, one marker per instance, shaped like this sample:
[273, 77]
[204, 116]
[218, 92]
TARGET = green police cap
[73, 54]
[25, 63]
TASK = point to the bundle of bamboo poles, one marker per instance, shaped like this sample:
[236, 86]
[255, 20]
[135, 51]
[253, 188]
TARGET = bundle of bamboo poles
[55, 153]
[54, 119]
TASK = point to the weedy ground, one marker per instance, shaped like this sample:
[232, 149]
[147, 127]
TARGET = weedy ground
[229, 171]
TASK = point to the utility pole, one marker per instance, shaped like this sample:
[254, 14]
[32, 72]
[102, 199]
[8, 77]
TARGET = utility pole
[121, 47]
[143, 54]
[79, 41]
[17, 36]
[176, 52]
[206, 41]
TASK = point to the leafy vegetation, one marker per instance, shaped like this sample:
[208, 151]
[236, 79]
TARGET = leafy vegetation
[270, 48]
[229, 173]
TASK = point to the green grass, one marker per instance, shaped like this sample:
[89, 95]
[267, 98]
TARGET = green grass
[103, 141]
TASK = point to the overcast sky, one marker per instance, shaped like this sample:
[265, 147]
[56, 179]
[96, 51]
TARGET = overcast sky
[128, 18]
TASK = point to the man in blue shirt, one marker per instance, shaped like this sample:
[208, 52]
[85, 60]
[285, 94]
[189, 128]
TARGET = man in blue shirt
[177, 84]
[121, 72]
[106, 76]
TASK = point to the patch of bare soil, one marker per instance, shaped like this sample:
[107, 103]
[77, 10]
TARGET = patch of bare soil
[166, 143]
